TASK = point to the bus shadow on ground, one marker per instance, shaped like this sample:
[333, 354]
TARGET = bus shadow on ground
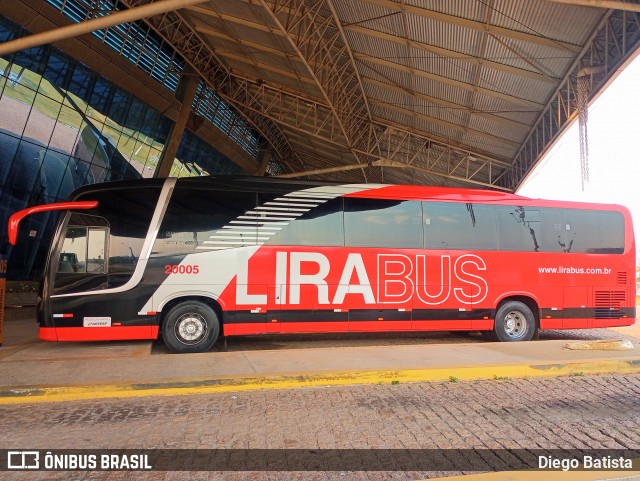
[319, 341]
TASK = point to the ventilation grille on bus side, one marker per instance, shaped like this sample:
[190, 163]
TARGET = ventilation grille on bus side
[608, 304]
[622, 278]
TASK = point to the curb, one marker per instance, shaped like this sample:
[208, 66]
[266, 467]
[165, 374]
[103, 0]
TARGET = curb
[180, 387]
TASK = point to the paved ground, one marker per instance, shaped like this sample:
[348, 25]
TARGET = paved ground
[569, 412]
[579, 411]
[132, 369]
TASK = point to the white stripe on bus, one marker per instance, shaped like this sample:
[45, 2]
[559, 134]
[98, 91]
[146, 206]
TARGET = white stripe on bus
[256, 221]
[290, 204]
[288, 209]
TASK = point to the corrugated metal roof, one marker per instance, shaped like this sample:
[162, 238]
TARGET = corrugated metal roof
[548, 19]
[471, 74]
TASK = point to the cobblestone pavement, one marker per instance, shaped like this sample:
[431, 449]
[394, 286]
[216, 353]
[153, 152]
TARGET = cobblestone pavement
[570, 412]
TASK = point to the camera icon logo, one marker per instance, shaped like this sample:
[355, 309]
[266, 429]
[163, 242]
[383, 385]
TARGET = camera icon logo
[23, 460]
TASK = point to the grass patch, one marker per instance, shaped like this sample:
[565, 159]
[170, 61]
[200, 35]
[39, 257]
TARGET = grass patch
[453, 379]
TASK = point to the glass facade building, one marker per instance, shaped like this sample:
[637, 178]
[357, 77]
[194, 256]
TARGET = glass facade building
[63, 126]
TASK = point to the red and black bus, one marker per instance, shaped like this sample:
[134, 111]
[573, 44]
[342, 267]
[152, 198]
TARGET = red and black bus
[189, 259]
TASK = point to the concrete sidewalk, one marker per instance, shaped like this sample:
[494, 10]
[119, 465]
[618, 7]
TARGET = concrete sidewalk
[34, 371]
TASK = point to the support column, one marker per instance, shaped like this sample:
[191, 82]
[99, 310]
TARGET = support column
[186, 93]
[263, 161]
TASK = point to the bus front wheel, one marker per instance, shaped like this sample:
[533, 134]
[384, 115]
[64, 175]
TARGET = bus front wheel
[514, 322]
[190, 327]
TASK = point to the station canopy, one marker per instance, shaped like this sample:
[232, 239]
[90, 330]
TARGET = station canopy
[456, 93]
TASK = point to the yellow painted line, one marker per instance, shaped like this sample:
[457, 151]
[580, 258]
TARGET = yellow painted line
[533, 475]
[21, 395]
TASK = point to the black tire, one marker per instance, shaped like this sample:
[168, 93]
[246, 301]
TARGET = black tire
[514, 322]
[189, 327]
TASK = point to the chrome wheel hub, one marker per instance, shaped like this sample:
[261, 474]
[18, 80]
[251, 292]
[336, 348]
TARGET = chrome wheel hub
[191, 328]
[515, 324]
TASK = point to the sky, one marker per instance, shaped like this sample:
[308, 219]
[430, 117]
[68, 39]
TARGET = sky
[614, 153]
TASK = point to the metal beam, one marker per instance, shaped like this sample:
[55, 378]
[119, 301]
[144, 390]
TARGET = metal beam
[76, 29]
[475, 25]
[267, 106]
[449, 125]
[172, 27]
[264, 66]
[320, 45]
[313, 116]
[476, 71]
[441, 104]
[328, 170]
[630, 7]
[392, 142]
[436, 50]
[349, 51]
[320, 162]
[451, 54]
[446, 80]
[230, 18]
[376, 163]
[306, 141]
[245, 43]
[314, 119]
[437, 158]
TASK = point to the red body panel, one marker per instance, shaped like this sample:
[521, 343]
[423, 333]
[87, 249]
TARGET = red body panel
[313, 279]
[114, 333]
[268, 289]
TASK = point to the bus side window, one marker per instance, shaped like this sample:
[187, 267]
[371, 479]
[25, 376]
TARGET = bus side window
[194, 215]
[321, 226]
[96, 246]
[454, 225]
[530, 229]
[594, 231]
[83, 251]
[382, 223]
[74, 249]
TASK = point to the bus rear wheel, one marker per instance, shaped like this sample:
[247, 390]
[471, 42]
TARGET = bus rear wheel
[514, 322]
[190, 327]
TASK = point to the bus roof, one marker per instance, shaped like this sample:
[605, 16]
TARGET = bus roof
[379, 191]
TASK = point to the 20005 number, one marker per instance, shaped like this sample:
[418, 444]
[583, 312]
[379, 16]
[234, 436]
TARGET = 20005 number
[181, 269]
